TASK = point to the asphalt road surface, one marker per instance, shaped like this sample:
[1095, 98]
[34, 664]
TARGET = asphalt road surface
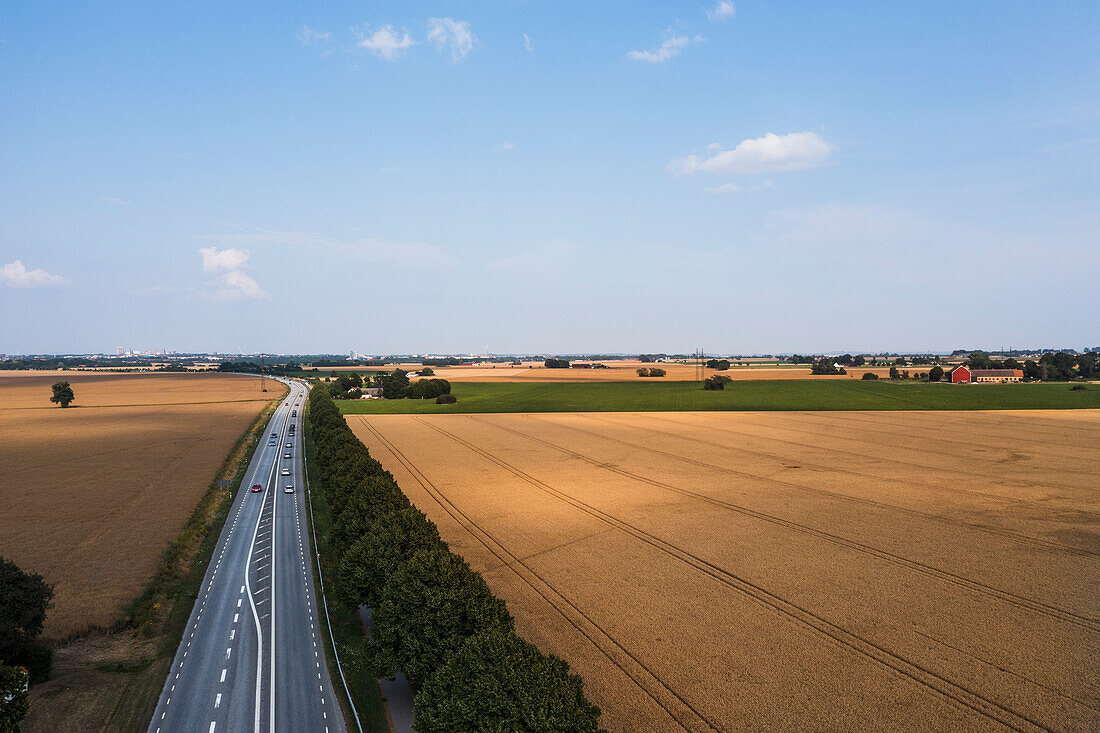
[252, 657]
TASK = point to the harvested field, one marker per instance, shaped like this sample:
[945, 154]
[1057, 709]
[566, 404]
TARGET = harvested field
[93, 493]
[772, 571]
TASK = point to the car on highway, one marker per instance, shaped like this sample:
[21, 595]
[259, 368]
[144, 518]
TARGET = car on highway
[257, 488]
[286, 471]
[288, 445]
[288, 490]
[271, 443]
[286, 455]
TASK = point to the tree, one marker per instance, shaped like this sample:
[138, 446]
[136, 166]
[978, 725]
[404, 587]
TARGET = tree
[446, 399]
[935, 374]
[859, 361]
[719, 364]
[979, 360]
[24, 600]
[14, 700]
[428, 389]
[62, 394]
[1032, 370]
[643, 372]
[395, 385]
[1011, 363]
[427, 372]
[825, 366]
[429, 607]
[894, 374]
[556, 363]
[496, 681]
[716, 382]
[389, 540]
[869, 376]
[656, 372]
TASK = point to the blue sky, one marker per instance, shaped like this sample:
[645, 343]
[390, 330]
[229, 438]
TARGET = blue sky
[557, 177]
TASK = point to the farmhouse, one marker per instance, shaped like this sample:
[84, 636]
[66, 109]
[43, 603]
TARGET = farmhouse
[966, 375]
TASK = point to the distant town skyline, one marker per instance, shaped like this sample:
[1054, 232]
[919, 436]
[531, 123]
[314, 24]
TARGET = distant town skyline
[549, 178]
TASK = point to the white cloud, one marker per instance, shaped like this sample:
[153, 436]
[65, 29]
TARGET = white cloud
[504, 147]
[527, 43]
[231, 281]
[386, 43]
[734, 188]
[670, 48]
[724, 9]
[215, 260]
[453, 35]
[771, 153]
[15, 275]
[310, 36]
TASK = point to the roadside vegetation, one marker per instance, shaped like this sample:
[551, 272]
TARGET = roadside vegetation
[742, 395]
[435, 618]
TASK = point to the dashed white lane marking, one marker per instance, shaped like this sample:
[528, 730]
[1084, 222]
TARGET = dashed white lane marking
[228, 651]
[235, 617]
[212, 724]
[232, 633]
[223, 674]
[239, 602]
[218, 700]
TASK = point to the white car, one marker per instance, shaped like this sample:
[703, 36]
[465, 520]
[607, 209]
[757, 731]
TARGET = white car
[288, 445]
[286, 471]
[288, 490]
[286, 455]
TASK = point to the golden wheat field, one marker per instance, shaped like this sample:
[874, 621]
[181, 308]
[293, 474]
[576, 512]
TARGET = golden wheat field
[777, 571]
[93, 493]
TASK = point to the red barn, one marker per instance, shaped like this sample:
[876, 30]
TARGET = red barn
[960, 375]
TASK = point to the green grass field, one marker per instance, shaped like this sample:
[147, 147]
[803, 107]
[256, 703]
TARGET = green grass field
[746, 395]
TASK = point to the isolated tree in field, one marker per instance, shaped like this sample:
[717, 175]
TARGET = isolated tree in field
[869, 376]
[429, 607]
[894, 373]
[427, 372]
[718, 381]
[14, 701]
[497, 681]
[24, 600]
[935, 374]
[62, 394]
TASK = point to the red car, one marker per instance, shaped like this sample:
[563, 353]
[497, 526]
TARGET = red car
[256, 488]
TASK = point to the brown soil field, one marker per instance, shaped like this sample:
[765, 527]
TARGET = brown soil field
[617, 371]
[774, 571]
[92, 494]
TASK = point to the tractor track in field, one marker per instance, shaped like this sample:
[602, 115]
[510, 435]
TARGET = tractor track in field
[930, 680]
[1030, 604]
[863, 456]
[1022, 538]
[514, 563]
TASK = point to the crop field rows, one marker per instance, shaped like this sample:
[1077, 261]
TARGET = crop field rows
[92, 494]
[730, 571]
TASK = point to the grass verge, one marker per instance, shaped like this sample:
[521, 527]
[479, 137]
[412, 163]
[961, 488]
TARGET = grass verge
[740, 395]
[111, 681]
[346, 625]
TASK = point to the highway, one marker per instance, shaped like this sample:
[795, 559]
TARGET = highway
[252, 656]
